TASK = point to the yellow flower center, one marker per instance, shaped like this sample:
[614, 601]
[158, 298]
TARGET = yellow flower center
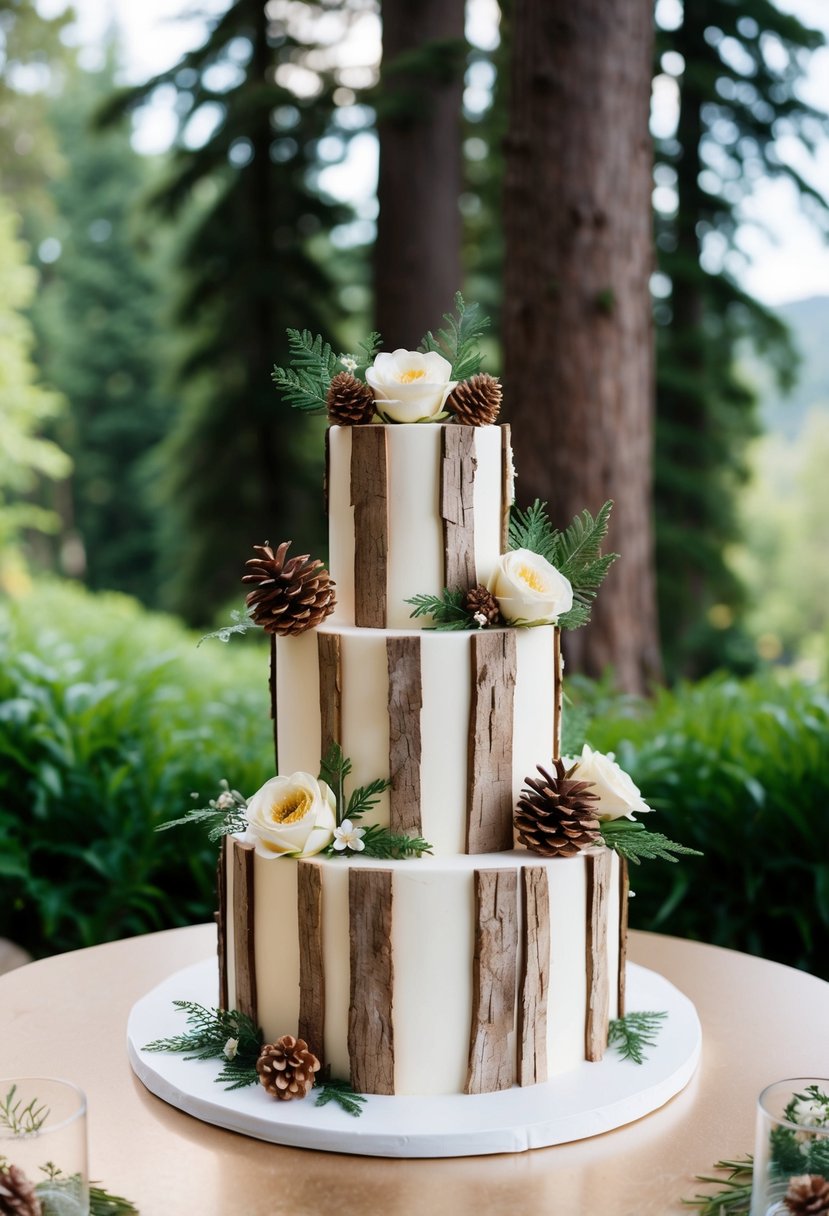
[412, 374]
[292, 808]
[532, 578]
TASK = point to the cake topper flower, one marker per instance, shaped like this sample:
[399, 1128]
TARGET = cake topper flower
[292, 816]
[410, 386]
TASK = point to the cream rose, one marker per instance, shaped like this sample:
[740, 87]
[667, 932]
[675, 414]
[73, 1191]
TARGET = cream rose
[528, 588]
[409, 386]
[293, 815]
[618, 796]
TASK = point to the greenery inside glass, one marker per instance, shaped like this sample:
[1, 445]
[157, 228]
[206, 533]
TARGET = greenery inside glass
[43, 1160]
[791, 1150]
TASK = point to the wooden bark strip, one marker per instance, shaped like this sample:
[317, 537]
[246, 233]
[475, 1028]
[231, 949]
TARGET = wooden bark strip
[558, 691]
[221, 920]
[274, 711]
[330, 681]
[370, 1029]
[311, 973]
[491, 1062]
[457, 506]
[624, 893]
[598, 981]
[535, 977]
[243, 930]
[507, 477]
[489, 769]
[405, 702]
[369, 495]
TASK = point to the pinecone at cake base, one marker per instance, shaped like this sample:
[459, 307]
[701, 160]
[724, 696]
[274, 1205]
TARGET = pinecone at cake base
[482, 603]
[17, 1194]
[808, 1195]
[286, 1068]
[477, 401]
[290, 595]
[555, 816]
[349, 402]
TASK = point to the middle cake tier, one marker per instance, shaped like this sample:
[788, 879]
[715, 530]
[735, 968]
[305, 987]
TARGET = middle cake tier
[455, 720]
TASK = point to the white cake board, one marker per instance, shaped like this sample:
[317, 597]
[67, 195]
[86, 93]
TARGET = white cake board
[586, 1101]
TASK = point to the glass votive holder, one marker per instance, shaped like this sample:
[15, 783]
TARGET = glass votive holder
[43, 1160]
[791, 1148]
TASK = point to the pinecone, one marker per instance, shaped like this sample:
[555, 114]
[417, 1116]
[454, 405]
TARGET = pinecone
[476, 402]
[480, 602]
[17, 1194]
[808, 1195]
[286, 1068]
[555, 816]
[289, 596]
[349, 401]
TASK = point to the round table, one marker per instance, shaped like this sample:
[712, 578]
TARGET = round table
[66, 1017]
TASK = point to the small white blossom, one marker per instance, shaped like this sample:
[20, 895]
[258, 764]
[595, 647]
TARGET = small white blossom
[810, 1112]
[349, 363]
[230, 1048]
[225, 801]
[479, 619]
[346, 836]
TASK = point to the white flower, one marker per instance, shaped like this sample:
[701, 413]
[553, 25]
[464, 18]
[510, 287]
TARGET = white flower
[346, 836]
[349, 363]
[409, 386]
[528, 588]
[293, 815]
[811, 1112]
[480, 619]
[225, 801]
[618, 796]
[230, 1048]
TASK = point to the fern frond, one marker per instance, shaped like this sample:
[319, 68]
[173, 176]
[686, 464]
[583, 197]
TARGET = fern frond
[342, 1093]
[458, 341]
[313, 365]
[392, 846]
[367, 350]
[446, 609]
[633, 1033]
[633, 841]
[531, 529]
[365, 798]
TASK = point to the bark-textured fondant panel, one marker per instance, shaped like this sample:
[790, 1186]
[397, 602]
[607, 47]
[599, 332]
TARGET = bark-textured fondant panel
[330, 680]
[506, 485]
[598, 980]
[457, 506]
[489, 783]
[405, 703]
[558, 692]
[624, 895]
[221, 920]
[491, 1054]
[241, 860]
[369, 497]
[311, 972]
[535, 977]
[370, 1029]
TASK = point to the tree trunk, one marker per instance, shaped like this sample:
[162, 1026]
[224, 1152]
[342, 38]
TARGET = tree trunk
[418, 250]
[578, 340]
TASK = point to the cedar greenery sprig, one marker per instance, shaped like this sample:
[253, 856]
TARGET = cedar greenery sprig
[633, 841]
[341, 1092]
[446, 610]
[458, 342]
[795, 1152]
[313, 365]
[59, 1192]
[575, 553]
[222, 815]
[392, 846]
[377, 841]
[734, 1197]
[634, 1033]
[209, 1032]
[22, 1120]
[241, 622]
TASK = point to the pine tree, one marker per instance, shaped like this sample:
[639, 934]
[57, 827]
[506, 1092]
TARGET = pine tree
[238, 466]
[737, 69]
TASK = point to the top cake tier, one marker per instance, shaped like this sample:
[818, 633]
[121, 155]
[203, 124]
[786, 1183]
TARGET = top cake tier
[412, 509]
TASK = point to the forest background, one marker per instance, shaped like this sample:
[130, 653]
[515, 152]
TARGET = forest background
[143, 449]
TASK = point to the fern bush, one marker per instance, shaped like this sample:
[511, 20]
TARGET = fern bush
[740, 770]
[110, 718]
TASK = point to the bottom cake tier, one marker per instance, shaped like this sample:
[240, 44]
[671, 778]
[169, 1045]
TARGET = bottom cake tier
[433, 976]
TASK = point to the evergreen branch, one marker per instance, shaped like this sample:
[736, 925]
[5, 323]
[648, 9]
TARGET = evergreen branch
[242, 622]
[210, 1031]
[633, 841]
[342, 1093]
[391, 846]
[531, 529]
[633, 1033]
[313, 365]
[365, 798]
[102, 1203]
[58, 1192]
[334, 768]
[221, 816]
[446, 609]
[734, 1198]
[458, 342]
[22, 1120]
[367, 350]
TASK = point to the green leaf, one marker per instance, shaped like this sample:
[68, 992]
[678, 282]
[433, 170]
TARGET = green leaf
[241, 622]
[206, 1039]
[313, 365]
[380, 842]
[340, 1092]
[334, 768]
[103, 1203]
[219, 820]
[734, 1196]
[365, 798]
[458, 342]
[633, 1033]
[367, 351]
[446, 609]
[633, 841]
